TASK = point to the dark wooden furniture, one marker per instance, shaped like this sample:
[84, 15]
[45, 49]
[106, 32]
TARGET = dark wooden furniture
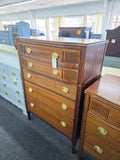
[55, 73]
[76, 32]
[100, 130]
[114, 42]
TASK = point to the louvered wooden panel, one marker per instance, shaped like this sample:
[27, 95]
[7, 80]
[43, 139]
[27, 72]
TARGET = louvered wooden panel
[99, 108]
[71, 57]
[71, 75]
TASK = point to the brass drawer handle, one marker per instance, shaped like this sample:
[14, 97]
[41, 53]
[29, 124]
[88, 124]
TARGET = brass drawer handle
[4, 85]
[64, 106]
[15, 83]
[98, 149]
[32, 105]
[102, 131]
[65, 89]
[30, 90]
[6, 93]
[18, 92]
[63, 124]
[55, 55]
[30, 65]
[29, 75]
[19, 101]
[3, 77]
[28, 50]
[55, 72]
[13, 74]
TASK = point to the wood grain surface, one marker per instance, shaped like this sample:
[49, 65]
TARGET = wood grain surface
[50, 115]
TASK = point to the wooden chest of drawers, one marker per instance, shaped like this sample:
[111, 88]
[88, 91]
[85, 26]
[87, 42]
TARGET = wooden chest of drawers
[100, 131]
[55, 73]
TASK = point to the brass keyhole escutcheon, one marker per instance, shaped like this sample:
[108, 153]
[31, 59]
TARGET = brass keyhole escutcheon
[98, 149]
[63, 124]
[18, 92]
[13, 74]
[55, 55]
[32, 105]
[28, 50]
[30, 90]
[55, 72]
[15, 83]
[3, 77]
[19, 101]
[102, 131]
[30, 65]
[29, 75]
[65, 89]
[4, 85]
[64, 106]
[6, 93]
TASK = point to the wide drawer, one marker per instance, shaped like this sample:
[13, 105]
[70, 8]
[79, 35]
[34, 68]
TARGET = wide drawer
[105, 111]
[98, 150]
[54, 118]
[103, 131]
[67, 90]
[51, 99]
[66, 74]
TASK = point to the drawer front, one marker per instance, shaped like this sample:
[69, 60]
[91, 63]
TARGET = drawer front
[43, 54]
[98, 150]
[51, 99]
[43, 68]
[52, 84]
[101, 130]
[59, 121]
[105, 112]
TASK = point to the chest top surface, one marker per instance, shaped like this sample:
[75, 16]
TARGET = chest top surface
[107, 87]
[61, 40]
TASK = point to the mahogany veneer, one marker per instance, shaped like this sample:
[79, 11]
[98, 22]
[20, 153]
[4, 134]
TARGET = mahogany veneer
[55, 74]
[100, 130]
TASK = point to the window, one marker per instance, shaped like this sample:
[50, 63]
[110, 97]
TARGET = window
[52, 27]
[41, 25]
[116, 21]
[91, 22]
[74, 21]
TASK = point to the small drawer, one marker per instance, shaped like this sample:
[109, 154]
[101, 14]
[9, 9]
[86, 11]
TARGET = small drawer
[67, 90]
[59, 121]
[41, 53]
[43, 68]
[59, 103]
[101, 130]
[98, 149]
[102, 109]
